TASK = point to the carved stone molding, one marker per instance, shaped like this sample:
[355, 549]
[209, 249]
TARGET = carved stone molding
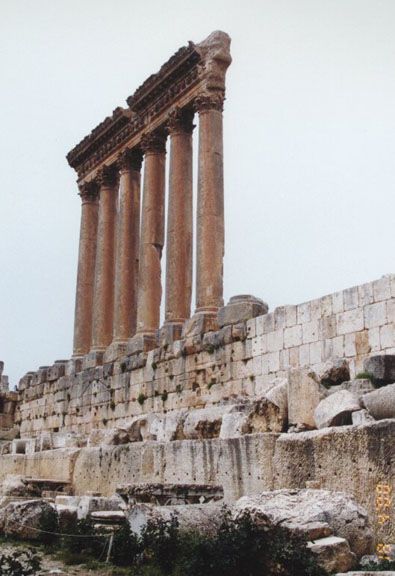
[154, 142]
[130, 160]
[107, 176]
[89, 191]
[180, 121]
[206, 102]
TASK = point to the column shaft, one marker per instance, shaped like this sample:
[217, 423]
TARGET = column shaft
[127, 249]
[179, 222]
[210, 209]
[103, 299]
[152, 237]
[86, 270]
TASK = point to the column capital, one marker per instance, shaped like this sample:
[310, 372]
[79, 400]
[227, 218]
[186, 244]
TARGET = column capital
[130, 159]
[107, 176]
[88, 191]
[180, 120]
[209, 101]
[154, 142]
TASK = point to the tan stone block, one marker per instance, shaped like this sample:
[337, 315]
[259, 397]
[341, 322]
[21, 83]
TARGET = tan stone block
[337, 302]
[265, 324]
[350, 321]
[310, 331]
[284, 360]
[315, 352]
[362, 345]
[326, 306]
[294, 357]
[350, 298]
[327, 350]
[365, 294]
[290, 316]
[251, 328]
[315, 310]
[304, 395]
[328, 327]
[375, 314]
[259, 345]
[382, 289]
[293, 336]
[279, 318]
[303, 313]
[349, 345]
[270, 362]
[391, 310]
[392, 281]
[387, 336]
[304, 355]
[275, 341]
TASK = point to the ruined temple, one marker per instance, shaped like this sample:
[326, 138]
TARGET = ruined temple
[217, 402]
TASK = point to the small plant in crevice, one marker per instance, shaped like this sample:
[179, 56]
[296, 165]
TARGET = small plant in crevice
[164, 395]
[154, 365]
[141, 398]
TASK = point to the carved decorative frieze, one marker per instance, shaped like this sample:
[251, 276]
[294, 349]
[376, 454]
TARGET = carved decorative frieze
[180, 121]
[205, 102]
[89, 191]
[194, 70]
[130, 159]
[154, 141]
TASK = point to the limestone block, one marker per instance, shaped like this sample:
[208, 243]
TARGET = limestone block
[387, 336]
[381, 402]
[300, 509]
[334, 371]
[358, 387]
[304, 395]
[108, 437]
[168, 427]
[205, 423]
[382, 368]
[240, 309]
[336, 409]
[361, 417]
[293, 336]
[234, 424]
[23, 519]
[350, 321]
[333, 553]
[375, 315]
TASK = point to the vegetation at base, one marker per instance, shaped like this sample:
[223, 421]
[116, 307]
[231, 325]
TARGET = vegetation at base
[382, 566]
[239, 547]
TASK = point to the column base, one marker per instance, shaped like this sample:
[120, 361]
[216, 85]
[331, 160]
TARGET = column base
[170, 332]
[114, 351]
[200, 323]
[141, 343]
[93, 359]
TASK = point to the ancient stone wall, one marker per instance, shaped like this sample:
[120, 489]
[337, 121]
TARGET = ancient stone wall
[8, 401]
[238, 361]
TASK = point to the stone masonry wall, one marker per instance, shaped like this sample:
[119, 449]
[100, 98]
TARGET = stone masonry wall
[239, 360]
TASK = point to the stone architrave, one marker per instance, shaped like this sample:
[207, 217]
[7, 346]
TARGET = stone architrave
[103, 298]
[86, 269]
[151, 241]
[127, 252]
[179, 224]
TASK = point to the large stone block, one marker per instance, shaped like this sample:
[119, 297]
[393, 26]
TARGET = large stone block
[333, 553]
[240, 309]
[382, 368]
[304, 395]
[336, 409]
[381, 402]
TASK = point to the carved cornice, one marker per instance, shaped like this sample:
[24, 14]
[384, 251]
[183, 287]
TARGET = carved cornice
[196, 69]
[180, 121]
[154, 142]
[107, 176]
[206, 102]
[89, 191]
[130, 160]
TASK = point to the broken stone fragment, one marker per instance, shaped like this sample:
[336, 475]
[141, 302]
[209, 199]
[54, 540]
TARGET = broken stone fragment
[381, 402]
[240, 309]
[333, 553]
[304, 395]
[108, 437]
[382, 368]
[361, 417]
[23, 519]
[336, 409]
[334, 371]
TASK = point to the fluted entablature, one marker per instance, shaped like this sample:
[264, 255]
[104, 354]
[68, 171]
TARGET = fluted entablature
[126, 287]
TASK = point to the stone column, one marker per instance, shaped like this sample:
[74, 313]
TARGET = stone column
[103, 298]
[86, 269]
[127, 252]
[151, 243]
[179, 226]
[210, 207]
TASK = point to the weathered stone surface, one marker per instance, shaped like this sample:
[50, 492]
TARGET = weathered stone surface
[234, 424]
[299, 509]
[334, 371]
[240, 309]
[336, 409]
[15, 485]
[361, 417]
[168, 427]
[333, 553]
[304, 395]
[381, 402]
[205, 423]
[108, 437]
[23, 519]
[381, 367]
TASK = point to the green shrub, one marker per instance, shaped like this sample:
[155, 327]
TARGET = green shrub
[50, 526]
[141, 398]
[126, 547]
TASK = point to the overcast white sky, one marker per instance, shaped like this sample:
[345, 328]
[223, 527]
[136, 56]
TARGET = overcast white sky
[309, 144]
